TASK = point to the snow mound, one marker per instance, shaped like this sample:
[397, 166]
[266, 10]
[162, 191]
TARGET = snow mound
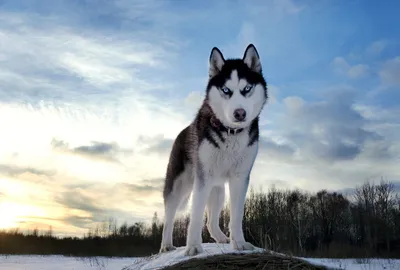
[159, 261]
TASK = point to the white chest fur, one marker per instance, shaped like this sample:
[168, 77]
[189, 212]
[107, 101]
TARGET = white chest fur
[233, 156]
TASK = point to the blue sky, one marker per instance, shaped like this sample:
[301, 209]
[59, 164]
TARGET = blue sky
[93, 93]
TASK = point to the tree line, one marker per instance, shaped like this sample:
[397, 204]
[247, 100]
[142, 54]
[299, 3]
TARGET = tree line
[365, 223]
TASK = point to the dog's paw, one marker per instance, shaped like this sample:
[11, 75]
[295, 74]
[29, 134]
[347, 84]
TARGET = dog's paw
[167, 248]
[242, 245]
[193, 250]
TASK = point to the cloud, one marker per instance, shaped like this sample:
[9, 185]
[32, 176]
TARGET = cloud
[289, 6]
[147, 187]
[156, 144]
[279, 7]
[85, 205]
[390, 72]
[16, 171]
[77, 199]
[357, 71]
[96, 150]
[72, 208]
[194, 99]
[273, 93]
[63, 62]
[278, 151]
[330, 130]
[376, 47]
[246, 35]
[384, 122]
[341, 66]
[293, 104]
[157, 183]
[332, 142]
[81, 222]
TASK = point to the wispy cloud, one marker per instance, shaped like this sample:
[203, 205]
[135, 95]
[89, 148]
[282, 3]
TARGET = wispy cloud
[96, 150]
[157, 144]
[289, 6]
[356, 71]
[329, 130]
[376, 47]
[15, 171]
[390, 72]
[65, 64]
[90, 204]
[331, 142]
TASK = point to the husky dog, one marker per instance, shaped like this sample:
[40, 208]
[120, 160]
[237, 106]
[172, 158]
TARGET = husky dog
[218, 147]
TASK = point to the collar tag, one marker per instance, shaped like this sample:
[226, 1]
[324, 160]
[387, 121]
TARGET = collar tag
[232, 131]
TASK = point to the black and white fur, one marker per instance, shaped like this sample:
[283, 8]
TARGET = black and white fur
[219, 146]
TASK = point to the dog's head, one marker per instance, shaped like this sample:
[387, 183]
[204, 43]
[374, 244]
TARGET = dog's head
[236, 90]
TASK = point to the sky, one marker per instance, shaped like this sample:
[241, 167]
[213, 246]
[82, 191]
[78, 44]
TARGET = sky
[93, 93]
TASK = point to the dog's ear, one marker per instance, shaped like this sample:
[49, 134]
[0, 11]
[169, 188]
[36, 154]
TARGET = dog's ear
[217, 61]
[252, 59]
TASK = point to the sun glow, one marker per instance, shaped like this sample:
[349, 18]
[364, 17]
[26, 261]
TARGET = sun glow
[11, 213]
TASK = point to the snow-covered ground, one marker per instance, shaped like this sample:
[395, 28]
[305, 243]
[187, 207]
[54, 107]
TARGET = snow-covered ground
[24, 262]
[358, 264]
[20, 262]
[178, 255]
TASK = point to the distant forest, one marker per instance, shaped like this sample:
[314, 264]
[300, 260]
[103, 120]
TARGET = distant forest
[365, 223]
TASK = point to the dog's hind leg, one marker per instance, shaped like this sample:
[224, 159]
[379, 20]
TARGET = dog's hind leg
[170, 206]
[215, 205]
[173, 202]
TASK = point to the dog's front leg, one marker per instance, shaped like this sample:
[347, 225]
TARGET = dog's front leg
[238, 188]
[201, 191]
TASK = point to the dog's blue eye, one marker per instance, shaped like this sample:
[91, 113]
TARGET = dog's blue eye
[248, 88]
[225, 90]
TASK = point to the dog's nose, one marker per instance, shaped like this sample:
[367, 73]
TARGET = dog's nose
[239, 114]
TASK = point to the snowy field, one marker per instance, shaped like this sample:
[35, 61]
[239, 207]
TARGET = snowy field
[21, 262]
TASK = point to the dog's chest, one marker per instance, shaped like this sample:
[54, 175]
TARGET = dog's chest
[232, 156]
